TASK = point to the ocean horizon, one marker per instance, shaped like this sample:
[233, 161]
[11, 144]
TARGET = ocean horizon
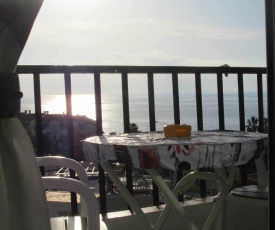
[112, 113]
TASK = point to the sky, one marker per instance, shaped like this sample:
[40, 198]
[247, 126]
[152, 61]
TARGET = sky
[146, 32]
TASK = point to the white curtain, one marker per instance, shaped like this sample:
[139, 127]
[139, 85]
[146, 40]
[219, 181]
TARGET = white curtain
[22, 197]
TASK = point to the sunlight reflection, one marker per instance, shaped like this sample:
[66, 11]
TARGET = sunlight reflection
[81, 104]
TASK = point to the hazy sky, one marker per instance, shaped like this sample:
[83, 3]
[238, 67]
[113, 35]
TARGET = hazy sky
[147, 32]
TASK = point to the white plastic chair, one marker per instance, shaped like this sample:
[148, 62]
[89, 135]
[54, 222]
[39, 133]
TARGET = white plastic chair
[89, 203]
[67, 163]
[220, 199]
[68, 184]
[247, 206]
[253, 194]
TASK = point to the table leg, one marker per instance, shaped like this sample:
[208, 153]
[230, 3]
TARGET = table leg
[232, 176]
[127, 196]
[230, 179]
[134, 205]
[172, 201]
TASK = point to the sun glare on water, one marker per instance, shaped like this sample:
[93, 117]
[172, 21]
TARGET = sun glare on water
[81, 105]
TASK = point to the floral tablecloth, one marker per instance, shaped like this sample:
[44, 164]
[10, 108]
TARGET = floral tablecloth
[152, 150]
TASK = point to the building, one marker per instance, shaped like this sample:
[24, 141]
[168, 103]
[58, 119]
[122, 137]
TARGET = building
[54, 132]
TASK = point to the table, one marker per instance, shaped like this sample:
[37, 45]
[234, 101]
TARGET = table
[151, 151]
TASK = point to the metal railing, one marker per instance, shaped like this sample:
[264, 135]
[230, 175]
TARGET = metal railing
[150, 71]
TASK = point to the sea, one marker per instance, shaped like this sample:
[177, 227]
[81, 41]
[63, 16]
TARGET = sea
[112, 113]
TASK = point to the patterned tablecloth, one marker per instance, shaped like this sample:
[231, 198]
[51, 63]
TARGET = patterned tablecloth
[153, 150]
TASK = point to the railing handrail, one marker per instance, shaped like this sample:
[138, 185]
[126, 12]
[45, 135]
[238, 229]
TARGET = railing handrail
[24, 69]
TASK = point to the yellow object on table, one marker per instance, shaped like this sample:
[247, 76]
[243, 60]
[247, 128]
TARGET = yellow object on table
[178, 130]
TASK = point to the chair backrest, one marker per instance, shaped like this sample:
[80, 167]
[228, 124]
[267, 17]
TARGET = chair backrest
[64, 162]
[261, 172]
[22, 197]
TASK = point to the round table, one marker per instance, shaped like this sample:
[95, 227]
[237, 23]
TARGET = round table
[152, 150]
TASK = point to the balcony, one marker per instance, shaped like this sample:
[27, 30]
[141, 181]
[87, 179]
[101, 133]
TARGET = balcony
[151, 73]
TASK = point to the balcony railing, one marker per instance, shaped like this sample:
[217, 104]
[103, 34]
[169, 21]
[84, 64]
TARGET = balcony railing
[173, 73]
